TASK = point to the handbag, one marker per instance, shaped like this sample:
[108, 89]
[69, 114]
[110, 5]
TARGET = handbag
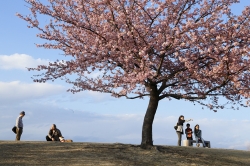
[176, 126]
[14, 129]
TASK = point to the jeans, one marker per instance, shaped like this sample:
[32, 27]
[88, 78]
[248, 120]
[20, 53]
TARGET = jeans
[200, 139]
[179, 134]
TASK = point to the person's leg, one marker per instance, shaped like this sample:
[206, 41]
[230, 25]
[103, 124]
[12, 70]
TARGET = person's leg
[179, 138]
[197, 141]
[19, 132]
[56, 138]
[203, 142]
[48, 139]
[190, 139]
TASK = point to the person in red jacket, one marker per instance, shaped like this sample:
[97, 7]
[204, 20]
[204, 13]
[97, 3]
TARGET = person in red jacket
[189, 132]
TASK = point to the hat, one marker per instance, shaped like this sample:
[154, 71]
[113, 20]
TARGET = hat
[22, 113]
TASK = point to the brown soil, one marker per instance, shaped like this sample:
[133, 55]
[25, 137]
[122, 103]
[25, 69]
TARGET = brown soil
[25, 153]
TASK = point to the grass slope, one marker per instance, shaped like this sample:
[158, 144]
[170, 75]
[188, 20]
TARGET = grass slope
[28, 153]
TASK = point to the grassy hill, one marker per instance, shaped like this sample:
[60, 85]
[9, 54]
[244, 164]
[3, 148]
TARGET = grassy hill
[28, 153]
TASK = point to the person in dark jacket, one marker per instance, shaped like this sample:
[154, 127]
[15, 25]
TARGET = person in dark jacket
[198, 136]
[179, 129]
[19, 125]
[189, 132]
[54, 134]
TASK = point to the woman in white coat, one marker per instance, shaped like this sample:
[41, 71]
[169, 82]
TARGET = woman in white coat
[179, 130]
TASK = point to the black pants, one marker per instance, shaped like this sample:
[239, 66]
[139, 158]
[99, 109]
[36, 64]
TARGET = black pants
[48, 139]
[190, 138]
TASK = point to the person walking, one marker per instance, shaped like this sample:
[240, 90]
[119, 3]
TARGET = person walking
[19, 125]
[179, 129]
[54, 134]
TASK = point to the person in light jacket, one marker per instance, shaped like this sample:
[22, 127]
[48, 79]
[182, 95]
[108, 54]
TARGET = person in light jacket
[198, 136]
[54, 134]
[179, 129]
[19, 125]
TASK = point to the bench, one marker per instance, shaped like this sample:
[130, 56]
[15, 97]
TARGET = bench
[188, 143]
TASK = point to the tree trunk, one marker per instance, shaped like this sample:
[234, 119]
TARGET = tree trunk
[147, 139]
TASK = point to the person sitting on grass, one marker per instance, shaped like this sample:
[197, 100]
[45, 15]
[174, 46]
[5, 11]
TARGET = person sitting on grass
[54, 134]
[198, 136]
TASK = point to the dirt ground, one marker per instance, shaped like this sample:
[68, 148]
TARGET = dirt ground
[25, 153]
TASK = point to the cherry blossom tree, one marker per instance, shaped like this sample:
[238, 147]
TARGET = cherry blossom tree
[195, 50]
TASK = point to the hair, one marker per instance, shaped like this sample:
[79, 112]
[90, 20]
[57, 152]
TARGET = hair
[180, 117]
[22, 113]
[54, 125]
[195, 127]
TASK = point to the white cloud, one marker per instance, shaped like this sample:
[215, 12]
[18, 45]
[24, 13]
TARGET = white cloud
[20, 61]
[97, 96]
[90, 96]
[16, 91]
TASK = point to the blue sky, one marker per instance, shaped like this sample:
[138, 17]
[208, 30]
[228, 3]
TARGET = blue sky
[91, 116]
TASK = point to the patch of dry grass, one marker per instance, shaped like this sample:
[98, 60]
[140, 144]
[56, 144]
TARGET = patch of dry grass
[56, 153]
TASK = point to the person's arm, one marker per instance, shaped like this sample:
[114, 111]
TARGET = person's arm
[50, 134]
[18, 122]
[199, 133]
[59, 133]
[188, 120]
[195, 133]
[180, 122]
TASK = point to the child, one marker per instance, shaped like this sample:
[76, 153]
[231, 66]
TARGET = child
[189, 132]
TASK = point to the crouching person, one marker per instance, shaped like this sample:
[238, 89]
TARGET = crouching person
[54, 134]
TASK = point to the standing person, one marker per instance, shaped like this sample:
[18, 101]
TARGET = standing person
[19, 125]
[179, 129]
[198, 136]
[189, 132]
[54, 134]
